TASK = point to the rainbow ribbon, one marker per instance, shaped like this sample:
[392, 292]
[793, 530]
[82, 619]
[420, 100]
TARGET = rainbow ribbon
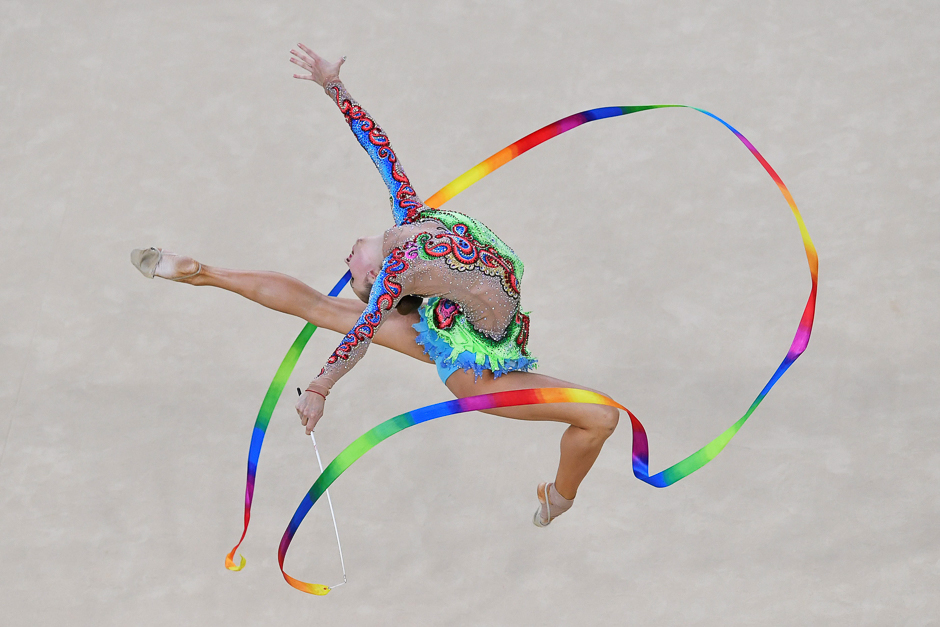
[538, 396]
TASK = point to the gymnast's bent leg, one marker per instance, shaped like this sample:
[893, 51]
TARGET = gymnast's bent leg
[590, 426]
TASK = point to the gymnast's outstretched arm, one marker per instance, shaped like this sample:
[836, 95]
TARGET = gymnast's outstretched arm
[391, 283]
[405, 203]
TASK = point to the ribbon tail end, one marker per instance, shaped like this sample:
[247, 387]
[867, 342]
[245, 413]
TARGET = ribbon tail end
[231, 565]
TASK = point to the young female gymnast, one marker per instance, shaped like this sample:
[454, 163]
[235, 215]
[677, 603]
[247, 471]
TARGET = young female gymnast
[471, 326]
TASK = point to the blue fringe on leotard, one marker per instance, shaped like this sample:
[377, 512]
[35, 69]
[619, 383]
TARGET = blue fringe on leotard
[437, 348]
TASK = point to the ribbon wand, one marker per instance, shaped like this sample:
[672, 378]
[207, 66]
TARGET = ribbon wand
[329, 502]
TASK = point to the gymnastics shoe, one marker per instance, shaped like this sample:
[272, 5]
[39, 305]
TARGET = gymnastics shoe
[551, 505]
[155, 262]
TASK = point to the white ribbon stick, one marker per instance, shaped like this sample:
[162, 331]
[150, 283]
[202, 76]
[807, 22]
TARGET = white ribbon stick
[330, 503]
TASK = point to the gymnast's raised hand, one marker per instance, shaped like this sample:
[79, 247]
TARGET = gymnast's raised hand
[321, 70]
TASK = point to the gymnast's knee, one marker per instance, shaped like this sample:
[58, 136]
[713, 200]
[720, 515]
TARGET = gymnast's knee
[604, 420]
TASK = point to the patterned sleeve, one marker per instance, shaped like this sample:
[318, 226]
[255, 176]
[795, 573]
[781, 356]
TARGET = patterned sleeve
[405, 203]
[386, 292]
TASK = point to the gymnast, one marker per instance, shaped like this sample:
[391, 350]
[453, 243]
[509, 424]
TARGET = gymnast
[471, 325]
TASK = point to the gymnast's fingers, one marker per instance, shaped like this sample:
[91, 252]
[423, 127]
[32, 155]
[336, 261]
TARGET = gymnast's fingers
[312, 58]
[302, 58]
[313, 54]
[302, 64]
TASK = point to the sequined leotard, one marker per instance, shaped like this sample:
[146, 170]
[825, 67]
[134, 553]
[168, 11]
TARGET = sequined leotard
[472, 279]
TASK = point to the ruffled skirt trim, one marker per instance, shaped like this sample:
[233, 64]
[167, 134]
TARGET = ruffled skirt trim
[468, 350]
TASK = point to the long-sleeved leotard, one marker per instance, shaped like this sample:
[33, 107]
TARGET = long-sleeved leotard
[405, 203]
[387, 290]
[428, 253]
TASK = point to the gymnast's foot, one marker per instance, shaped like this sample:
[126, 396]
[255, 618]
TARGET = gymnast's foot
[158, 262]
[551, 505]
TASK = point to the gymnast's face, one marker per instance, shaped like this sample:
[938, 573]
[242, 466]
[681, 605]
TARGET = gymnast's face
[365, 261]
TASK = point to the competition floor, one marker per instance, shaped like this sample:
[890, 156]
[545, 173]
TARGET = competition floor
[662, 267]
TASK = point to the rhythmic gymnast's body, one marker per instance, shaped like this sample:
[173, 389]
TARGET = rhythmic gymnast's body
[471, 326]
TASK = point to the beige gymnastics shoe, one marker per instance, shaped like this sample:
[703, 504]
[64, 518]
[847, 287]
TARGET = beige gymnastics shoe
[551, 505]
[155, 262]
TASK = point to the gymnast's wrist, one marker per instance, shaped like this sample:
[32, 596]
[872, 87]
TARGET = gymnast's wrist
[329, 82]
[318, 387]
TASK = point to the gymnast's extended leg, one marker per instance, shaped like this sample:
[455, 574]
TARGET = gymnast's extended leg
[294, 297]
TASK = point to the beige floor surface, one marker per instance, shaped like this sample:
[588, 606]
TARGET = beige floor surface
[663, 267]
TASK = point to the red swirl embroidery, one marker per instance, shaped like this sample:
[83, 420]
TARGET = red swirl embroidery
[406, 197]
[463, 253]
[522, 339]
[395, 264]
[445, 313]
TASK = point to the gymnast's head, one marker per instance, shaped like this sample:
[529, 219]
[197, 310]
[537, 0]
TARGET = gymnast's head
[365, 261]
